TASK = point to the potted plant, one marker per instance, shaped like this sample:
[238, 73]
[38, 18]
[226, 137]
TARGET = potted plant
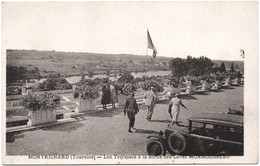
[126, 77]
[41, 108]
[155, 84]
[86, 95]
[125, 92]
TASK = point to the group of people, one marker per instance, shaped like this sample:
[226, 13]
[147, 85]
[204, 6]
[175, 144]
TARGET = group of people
[109, 95]
[131, 107]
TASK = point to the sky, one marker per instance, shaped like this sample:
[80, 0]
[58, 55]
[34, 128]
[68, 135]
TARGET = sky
[216, 29]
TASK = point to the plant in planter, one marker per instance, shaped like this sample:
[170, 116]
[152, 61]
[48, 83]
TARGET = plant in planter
[41, 108]
[124, 87]
[86, 95]
[125, 92]
[126, 77]
[127, 89]
[154, 84]
[119, 87]
[54, 84]
[174, 81]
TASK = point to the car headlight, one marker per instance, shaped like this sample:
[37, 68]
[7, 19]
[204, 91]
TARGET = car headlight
[161, 133]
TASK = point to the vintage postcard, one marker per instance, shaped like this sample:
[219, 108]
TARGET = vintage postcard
[138, 82]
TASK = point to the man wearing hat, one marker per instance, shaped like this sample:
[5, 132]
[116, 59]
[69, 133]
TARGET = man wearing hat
[174, 108]
[131, 108]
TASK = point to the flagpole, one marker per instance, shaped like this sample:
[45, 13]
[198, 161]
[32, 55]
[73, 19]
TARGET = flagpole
[146, 53]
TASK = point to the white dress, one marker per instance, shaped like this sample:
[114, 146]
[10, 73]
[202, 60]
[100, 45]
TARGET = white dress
[175, 102]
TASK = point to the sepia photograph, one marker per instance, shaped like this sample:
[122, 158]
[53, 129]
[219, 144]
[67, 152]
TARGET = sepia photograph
[134, 82]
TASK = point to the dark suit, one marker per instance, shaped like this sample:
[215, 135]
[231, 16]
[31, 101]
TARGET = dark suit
[131, 108]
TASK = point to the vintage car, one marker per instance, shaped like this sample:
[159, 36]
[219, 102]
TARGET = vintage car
[236, 112]
[207, 134]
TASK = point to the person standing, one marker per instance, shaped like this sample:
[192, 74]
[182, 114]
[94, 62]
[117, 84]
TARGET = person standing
[150, 98]
[113, 95]
[105, 99]
[131, 109]
[174, 108]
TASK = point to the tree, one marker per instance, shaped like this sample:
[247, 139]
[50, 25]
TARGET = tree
[179, 67]
[90, 74]
[36, 69]
[54, 75]
[192, 66]
[83, 75]
[15, 73]
[239, 75]
[130, 61]
[120, 72]
[54, 84]
[215, 69]
[152, 61]
[232, 68]
[115, 73]
[222, 67]
[136, 71]
[208, 70]
[108, 72]
[194, 72]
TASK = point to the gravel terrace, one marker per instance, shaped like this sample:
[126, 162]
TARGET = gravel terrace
[105, 132]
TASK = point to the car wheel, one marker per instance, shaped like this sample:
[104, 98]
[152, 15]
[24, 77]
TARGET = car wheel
[155, 148]
[177, 143]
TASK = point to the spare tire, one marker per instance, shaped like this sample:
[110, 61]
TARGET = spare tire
[177, 143]
[156, 148]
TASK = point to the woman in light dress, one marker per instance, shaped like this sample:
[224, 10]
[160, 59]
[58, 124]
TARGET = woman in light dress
[174, 108]
[113, 95]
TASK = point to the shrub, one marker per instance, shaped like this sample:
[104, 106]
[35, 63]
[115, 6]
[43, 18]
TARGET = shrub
[127, 89]
[90, 74]
[190, 65]
[14, 73]
[174, 82]
[54, 84]
[154, 84]
[87, 89]
[46, 101]
[108, 72]
[126, 77]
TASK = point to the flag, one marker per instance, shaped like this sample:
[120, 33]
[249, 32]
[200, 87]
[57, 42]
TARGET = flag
[150, 44]
[242, 53]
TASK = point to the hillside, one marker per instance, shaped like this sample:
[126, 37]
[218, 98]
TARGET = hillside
[75, 63]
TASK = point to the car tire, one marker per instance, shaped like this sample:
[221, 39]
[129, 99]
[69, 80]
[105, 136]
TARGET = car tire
[177, 143]
[155, 148]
